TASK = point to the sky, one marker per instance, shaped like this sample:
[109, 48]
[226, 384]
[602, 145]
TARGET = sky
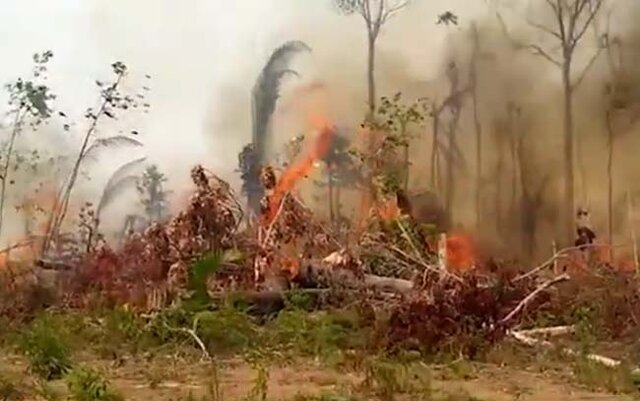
[203, 57]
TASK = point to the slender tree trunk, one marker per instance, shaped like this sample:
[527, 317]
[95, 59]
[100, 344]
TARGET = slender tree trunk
[610, 182]
[60, 209]
[453, 145]
[369, 194]
[371, 67]
[330, 187]
[476, 123]
[434, 149]
[568, 150]
[338, 201]
[498, 200]
[405, 157]
[514, 174]
[7, 165]
[527, 219]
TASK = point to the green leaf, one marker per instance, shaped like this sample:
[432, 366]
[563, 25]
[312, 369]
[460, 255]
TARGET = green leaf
[201, 271]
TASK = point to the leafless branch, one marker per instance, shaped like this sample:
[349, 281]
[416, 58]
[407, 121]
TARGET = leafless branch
[586, 69]
[541, 52]
[544, 28]
[593, 11]
[535, 48]
[560, 17]
[393, 10]
[274, 219]
[529, 298]
[552, 5]
[562, 254]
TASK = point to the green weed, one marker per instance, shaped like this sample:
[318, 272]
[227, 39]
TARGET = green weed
[48, 354]
[317, 334]
[89, 385]
[387, 379]
[227, 330]
[597, 376]
[260, 384]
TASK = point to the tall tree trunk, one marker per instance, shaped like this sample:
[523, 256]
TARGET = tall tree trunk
[330, 187]
[369, 193]
[498, 200]
[476, 123]
[405, 156]
[453, 145]
[338, 201]
[434, 149]
[568, 150]
[371, 67]
[513, 145]
[610, 182]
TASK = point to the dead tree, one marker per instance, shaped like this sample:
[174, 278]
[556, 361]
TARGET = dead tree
[622, 111]
[452, 134]
[473, 83]
[375, 13]
[501, 132]
[572, 19]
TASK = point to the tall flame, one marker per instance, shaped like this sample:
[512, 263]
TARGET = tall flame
[299, 170]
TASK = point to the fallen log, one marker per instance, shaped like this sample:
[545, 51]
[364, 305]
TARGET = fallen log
[549, 331]
[336, 274]
[388, 284]
[525, 338]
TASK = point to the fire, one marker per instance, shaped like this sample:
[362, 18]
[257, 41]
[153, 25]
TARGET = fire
[460, 253]
[388, 210]
[297, 171]
[291, 266]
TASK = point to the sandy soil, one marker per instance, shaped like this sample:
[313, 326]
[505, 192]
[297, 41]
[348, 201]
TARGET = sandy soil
[174, 379]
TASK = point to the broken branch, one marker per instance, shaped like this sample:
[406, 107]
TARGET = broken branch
[529, 298]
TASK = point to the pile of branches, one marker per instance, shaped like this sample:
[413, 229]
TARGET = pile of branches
[429, 308]
[396, 248]
[461, 314]
[609, 299]
[289, 235]
[164, 253]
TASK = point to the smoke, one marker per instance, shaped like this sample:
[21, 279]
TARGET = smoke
[204, 56]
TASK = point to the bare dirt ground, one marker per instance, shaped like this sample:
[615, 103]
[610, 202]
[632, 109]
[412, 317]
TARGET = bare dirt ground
[175, 379]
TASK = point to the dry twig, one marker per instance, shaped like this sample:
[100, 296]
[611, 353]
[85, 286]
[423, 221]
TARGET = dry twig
[529, 298]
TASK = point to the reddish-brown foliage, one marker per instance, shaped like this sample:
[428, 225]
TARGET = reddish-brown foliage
[456, 315]
[209, 223]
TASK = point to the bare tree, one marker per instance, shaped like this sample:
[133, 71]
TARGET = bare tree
[572, 19]
[622, 111]
[375, 14]
[473, 83]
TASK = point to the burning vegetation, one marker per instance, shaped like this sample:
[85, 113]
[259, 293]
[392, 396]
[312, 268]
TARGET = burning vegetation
[421, 280]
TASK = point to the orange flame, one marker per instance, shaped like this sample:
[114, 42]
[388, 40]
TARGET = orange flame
[291, 266]
[301, 169]
[460, 253]
[389, 210]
